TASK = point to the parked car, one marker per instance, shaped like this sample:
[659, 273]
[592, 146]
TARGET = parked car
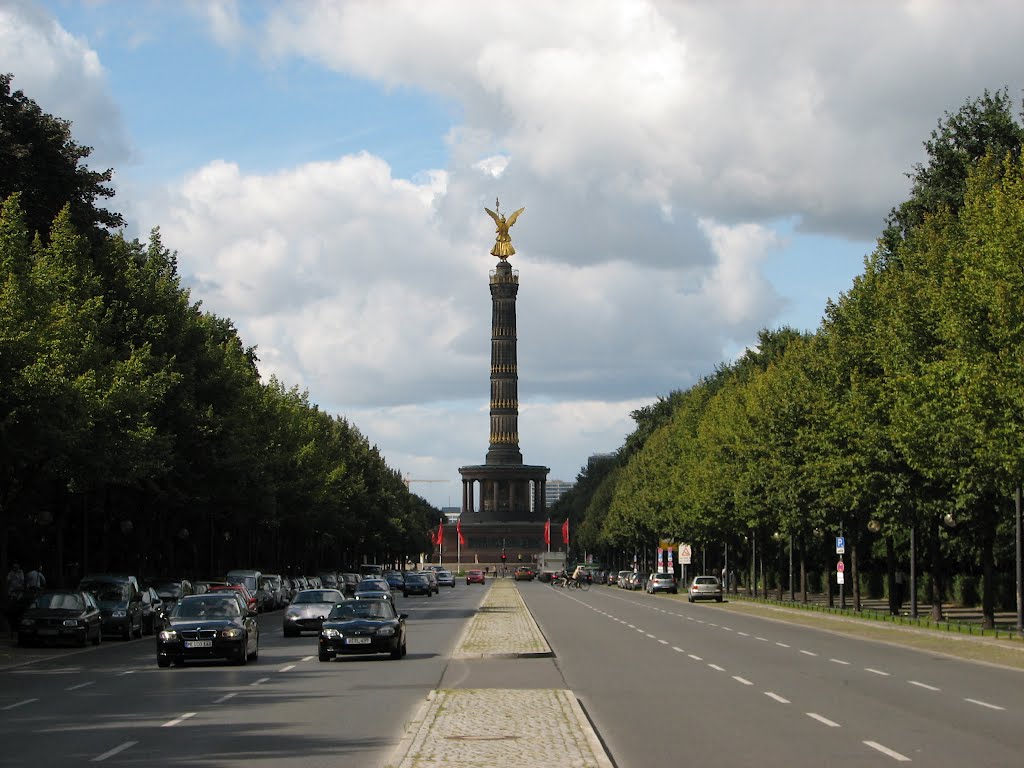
[705, 588]
[248, 578]
[203, 586]
[172, 590]
[624, 578]
[360, 627]
[309, 609]
[662, 582]
[349, 580]
[432, 575]
[61, 614]
[395, 579]
[613, 578]
[474, 577]
[119, 600]
[251, 603]
[205, 627]
[637, 580]
[272, 584]
[417, 584]
[525, 573]
[445, 579]
[154, 614]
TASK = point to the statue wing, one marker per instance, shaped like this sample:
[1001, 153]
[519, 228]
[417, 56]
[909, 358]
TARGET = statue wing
[514, 216]
[493, 216]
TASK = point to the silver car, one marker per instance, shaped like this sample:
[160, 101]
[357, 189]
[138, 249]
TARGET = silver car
[309, 609]
[445, 579]
[705, 588]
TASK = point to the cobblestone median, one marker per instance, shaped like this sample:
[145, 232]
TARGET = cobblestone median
[502, 627]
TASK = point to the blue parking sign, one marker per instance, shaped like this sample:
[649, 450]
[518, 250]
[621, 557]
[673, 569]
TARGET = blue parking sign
[840, 545]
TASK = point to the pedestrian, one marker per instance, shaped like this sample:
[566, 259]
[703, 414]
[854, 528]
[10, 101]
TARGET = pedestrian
[900, 582]
[35, 579]
[15, 583]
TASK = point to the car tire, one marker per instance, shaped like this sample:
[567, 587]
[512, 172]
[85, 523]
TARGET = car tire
[138, 632]
[255, 655]
[99, 636]
[399, 652]
[718, 599]
[291, 633]
[163, 662]
[689, 599]
[243, 653]
[324, 656]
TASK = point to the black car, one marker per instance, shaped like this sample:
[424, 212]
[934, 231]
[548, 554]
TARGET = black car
[120, 603]
[154, 612]
[373, 589]
[395, 580]
[417, 584]
[172, 590]
[204, 627]
[363, 627]
[59, 614]
[350, 580]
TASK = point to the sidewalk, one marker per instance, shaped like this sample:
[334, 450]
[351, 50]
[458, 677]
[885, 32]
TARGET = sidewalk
[485, 727]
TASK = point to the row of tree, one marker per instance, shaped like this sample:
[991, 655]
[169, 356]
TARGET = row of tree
[901, 416]
[135, 430]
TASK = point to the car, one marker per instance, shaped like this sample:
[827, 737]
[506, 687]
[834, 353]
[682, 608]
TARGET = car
[623, 579]
[203, 586]
[272, 584]
[705, 588]
[363, 627]
[524, 573]
[208, 627]
[395, 580]
[61, 614]
[662, 582]
[328, 579]
[417, 584]
[119, 601]
[373, 589]
[432, 575]
[171, 590]
[474, 577]
[350, 580]
[248, 578]
[613, 578]
[445, 579]
[153, 611]
[251, 603]
[309, 609]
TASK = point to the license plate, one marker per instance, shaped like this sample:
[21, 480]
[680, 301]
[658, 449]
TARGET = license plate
[357, 641]
[199, 643]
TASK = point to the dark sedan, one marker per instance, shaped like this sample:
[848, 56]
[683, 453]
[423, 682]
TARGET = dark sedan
[363, 627]
[373, 589]
[204, 627]
[61, 615]
[417, 584]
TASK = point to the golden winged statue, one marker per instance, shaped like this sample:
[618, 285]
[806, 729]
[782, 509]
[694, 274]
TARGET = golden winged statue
[503, 243]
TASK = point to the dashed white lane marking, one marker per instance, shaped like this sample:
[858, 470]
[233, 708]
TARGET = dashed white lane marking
[695, 658]
[808, 653]
[224, 698]
[743, 634]
[716, 667]
[650, 636]
[743, 680]
[890, 752]
[631, 626]
[840, 661]
[986, 704]
[677, 649]
[727, 629]
[637, 629]
[823, 720]
[177, 720]
[663, 642]
[18, 704]
[762, 639]
[80, 686]
[308, 658]
[261, 681]
[126, 672]
[115, 751]
[712, 625]
[876, 671]
[776, 696]
[782, 645]
[286, 669]
[924, 685]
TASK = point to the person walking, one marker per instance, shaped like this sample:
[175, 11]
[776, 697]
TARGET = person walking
[35, 580]
[15, 583]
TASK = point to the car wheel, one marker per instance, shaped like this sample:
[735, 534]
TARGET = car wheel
[256, 651]
[324, 656]
[163, 662]
[138, 632]
[398, 652]
[99, 636]
[84, 641]
[178, 662]
[718, 599]
[243, 654]
[689, 599]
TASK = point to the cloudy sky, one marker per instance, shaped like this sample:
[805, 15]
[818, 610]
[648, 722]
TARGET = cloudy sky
[692, 172]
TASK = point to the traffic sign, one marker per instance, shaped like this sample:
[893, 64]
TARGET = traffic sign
[840, 545]
[839, 578]
[840, 566]
[685, 554]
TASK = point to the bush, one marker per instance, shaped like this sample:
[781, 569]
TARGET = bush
[965, 590]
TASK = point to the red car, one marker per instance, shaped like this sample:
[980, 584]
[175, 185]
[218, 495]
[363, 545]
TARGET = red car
[250, 599]
[475, 577]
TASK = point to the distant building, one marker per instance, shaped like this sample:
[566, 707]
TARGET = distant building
[555, 490]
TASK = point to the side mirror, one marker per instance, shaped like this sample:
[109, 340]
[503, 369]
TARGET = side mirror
[403, 616]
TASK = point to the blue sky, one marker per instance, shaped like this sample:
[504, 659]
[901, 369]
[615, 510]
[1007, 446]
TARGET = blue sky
[692, 172]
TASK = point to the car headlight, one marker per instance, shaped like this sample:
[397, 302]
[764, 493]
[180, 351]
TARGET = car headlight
[231, 633]
[120, 613]
[386, 631]
[28, 622]
[331, 634]
[70, 622]
[291, 615]
[168, 635]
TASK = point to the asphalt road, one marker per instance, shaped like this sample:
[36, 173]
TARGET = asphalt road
[669, 683]
[112, 705]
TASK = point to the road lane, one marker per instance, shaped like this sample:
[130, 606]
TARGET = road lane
[693, 677]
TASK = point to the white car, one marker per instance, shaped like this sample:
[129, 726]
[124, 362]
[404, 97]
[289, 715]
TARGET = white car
[445, 579]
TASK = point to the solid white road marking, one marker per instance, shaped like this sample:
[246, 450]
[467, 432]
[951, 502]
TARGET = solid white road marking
[776, 696]
[111, 752]
[19, 704]
[80, 685]
[924, 685]
[821, 719]
[224, 698]
[177, 720]
[886, 751]
[739, 679]
[876, 671]
[986, 704]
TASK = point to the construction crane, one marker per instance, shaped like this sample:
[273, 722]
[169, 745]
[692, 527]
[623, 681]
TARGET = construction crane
[409, 480]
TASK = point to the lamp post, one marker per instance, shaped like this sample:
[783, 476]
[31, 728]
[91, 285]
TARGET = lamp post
[1020, 572]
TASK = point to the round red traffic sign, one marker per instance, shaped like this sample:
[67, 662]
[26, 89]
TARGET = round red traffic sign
[840, 566]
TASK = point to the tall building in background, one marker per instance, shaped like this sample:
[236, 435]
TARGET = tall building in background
[504, 500]
[556, 489]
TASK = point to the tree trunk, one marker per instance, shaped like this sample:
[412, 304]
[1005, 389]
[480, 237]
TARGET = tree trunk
[803, 573]
[935, 551]
[988, 611]
[854, 572]
[890, 575]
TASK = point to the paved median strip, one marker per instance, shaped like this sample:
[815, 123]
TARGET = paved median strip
[502, 628]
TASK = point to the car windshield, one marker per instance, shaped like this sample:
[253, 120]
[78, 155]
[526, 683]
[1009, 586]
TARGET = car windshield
[706, 580]
[317, 596]
[107, 592]
[212, 608]
[165, 588]
[59, 601]
[371, 586]
[372, 609]
[416, 578]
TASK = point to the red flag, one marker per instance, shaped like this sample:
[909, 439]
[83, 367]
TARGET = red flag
[440, 533]
[565, 531]
[547, 532]
[433, 537]
[458, 530]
